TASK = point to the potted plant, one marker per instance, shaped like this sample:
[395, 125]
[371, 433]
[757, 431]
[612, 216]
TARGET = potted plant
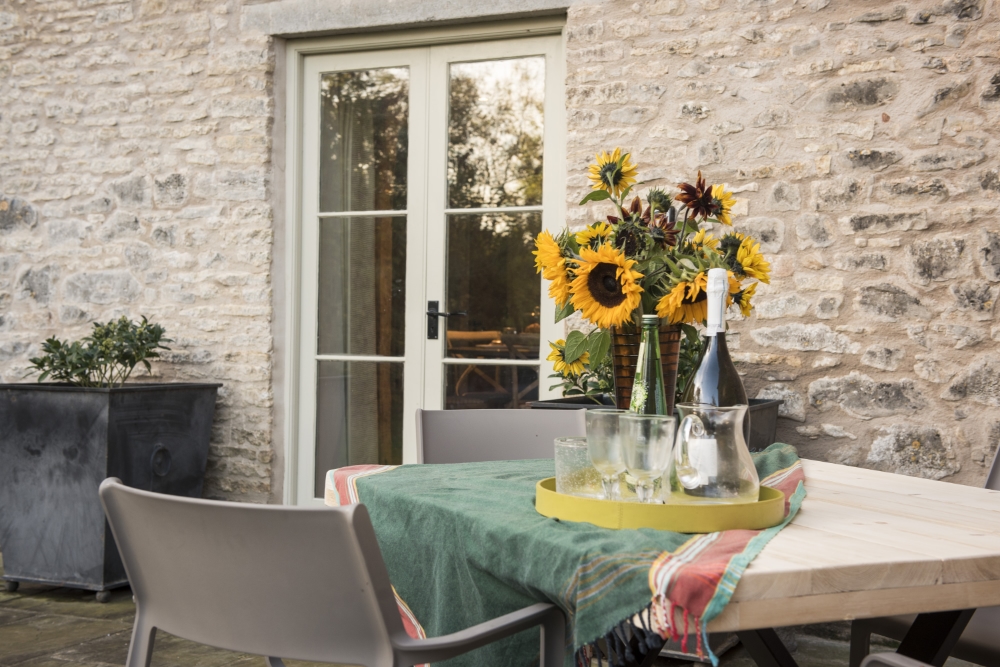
[59, 440]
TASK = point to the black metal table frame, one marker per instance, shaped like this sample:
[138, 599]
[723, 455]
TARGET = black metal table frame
[930, 639]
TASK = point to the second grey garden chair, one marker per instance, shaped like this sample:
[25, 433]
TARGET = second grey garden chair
[980, 641]
[468, 436]
[283, 582]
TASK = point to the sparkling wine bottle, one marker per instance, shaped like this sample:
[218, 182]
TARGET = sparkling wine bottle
[716, 382]
[648, 395]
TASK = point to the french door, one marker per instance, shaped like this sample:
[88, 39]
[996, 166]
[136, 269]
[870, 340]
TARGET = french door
[426, 173]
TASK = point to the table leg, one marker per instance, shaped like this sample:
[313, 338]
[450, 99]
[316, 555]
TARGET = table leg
[651, 656]
[932, 636]
[766, 648]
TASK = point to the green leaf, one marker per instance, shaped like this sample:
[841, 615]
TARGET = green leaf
[576, 345]
[595, 195]
[599, 347]
[565, 311]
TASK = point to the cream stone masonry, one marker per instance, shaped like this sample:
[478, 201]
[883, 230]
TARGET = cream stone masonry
[136, 178]
[861, 139]
[135, 143]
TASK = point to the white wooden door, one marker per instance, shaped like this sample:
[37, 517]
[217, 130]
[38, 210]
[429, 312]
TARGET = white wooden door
[425, 174]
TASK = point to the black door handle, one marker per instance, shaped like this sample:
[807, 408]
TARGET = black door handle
[432, 318]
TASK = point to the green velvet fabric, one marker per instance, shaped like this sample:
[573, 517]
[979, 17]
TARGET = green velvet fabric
[464, 544]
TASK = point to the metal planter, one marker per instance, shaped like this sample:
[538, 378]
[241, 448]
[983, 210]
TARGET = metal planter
[57, 443]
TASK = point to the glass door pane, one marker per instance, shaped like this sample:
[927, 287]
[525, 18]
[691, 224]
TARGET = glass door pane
[491, 277]
[362, 286]
[363, 137]
[495, 123]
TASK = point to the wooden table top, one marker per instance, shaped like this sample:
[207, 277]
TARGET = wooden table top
[868, 544]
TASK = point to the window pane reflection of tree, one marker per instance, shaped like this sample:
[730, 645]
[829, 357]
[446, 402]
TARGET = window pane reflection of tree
[363, 139]
[491, 276]
[495, 133]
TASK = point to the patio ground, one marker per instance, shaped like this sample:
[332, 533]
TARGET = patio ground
[42, 626]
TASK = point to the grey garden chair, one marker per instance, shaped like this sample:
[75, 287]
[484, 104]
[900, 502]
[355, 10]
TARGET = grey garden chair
[284, 582]
[467, 436]
[979, 643]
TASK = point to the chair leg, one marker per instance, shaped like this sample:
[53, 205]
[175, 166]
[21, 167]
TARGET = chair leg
[140, 650]
[861, 637]
[553, 639]
[274, 662]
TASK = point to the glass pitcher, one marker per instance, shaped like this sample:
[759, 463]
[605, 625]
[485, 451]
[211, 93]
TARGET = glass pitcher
[711, 461]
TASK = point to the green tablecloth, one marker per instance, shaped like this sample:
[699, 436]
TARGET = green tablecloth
[464, 544]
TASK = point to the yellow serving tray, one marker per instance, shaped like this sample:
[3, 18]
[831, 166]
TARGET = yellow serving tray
[681, 518]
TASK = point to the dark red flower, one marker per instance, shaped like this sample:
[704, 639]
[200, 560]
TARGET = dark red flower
[698, 197]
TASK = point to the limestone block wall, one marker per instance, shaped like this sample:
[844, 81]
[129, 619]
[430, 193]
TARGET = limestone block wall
[861, 138]
[134, 179]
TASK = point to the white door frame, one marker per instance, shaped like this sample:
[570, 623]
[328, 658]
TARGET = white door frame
[294, 421]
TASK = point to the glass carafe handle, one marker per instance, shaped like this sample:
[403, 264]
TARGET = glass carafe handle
[687, 474]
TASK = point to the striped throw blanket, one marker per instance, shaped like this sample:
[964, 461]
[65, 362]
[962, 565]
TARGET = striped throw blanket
[463, 544]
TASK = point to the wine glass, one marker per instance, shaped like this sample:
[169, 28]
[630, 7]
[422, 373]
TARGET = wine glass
[647, 441]
[605, 447]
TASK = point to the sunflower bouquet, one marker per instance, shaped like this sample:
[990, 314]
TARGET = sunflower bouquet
[649, 256]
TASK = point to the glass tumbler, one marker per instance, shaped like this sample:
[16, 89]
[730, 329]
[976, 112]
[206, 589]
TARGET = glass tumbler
[647, 441]
[604, 444]
[575, 475]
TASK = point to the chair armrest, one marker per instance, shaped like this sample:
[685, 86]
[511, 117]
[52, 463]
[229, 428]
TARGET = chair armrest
[411, 651]
[891, 660]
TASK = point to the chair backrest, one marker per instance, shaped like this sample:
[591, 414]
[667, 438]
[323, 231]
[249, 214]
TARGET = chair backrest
[993, 478]
[299, 583]
[467, 436]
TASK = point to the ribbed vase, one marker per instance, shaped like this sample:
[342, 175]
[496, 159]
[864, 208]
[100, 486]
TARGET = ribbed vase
[625, 349]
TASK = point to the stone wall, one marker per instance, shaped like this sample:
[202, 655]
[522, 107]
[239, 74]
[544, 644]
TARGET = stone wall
[134, 179]
[862, 140]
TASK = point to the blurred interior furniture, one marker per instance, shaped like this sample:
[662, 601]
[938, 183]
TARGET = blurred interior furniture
[486, 385]
[891, 660]
[466, 436]
[283, 582]
[979, 643]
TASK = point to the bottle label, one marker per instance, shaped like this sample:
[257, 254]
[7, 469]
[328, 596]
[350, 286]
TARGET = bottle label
[704, 456]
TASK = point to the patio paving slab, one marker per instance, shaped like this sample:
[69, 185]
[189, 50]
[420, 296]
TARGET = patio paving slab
[45, 626]
[41, 634]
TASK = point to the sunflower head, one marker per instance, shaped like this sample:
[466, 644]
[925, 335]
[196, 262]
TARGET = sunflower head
[686, 302]
[697, 197]
[658, 200]
[751, 261]
[612, 173]
[566, 368]
[722, 202]
[598, 231]
[704, 240]
[742, 299]
[606, 286]
[548, 254]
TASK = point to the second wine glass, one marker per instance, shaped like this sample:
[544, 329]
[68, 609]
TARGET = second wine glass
[647, 441]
